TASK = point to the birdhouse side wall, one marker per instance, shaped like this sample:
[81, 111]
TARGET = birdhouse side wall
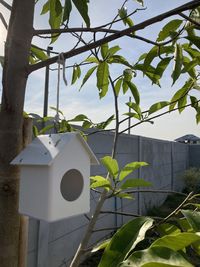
[74, 157]
[34, 191]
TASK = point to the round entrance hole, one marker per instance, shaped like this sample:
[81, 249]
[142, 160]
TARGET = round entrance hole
[71, 185]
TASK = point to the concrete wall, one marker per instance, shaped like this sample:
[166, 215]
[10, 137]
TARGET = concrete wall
[194, 155]
[54, 244]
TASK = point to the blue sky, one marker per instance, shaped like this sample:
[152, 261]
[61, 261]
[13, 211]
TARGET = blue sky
[73, 102]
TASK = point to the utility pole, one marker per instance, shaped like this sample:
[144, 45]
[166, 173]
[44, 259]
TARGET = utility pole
[46, 86]
[129, 119]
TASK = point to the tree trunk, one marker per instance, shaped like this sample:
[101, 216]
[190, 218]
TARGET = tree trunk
[15, 76]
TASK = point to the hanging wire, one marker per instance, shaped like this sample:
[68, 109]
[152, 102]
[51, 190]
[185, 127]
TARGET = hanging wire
[60, 61]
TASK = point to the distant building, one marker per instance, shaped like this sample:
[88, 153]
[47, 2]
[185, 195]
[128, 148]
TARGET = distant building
[188, 139]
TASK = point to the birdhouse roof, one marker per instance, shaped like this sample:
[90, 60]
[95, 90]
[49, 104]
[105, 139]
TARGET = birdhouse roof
[44, 149]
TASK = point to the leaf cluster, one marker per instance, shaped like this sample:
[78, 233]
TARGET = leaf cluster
[115, 182]
[165, 244]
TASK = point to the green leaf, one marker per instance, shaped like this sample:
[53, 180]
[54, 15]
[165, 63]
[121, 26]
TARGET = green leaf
[141, 2]
[157, 106]
[1, 61]
[55, 14]
[80, 117]
[118, 86]
[35, 131]
[111, 165]
[104, 124]
[189, 66]
[87, 76]
[59, 111]
[134, 92]
[181, 93]
[136, 182]
[194, 40]
[167, 229]
[176, 242]
[104, 50]
[135, 107]
[76, 74]
[113, 50]
[129, 168]
[86, 124]
[46, 8]
[194, 53]
[102, 245]
[125, 240]
[38, 53]
[198, 117]
[150, 72]
[156, 257]
[170, 27]
[181, 103]
[82, 7]
[193, 218]
[133, 115]
[99, 181]
[161, 67]
[123, 15]
[102, 78]
[178, 62]
[155, 52]
[194, 102]
[67, 10]
[120, 60]
[55, 17]
[124, 195]
[46, 129]
[92, 60]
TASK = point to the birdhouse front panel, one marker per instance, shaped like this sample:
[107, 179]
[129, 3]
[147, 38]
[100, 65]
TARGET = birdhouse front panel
[55, 172]
[70, 183]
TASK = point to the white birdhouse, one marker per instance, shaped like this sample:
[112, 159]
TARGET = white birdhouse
[55, 172]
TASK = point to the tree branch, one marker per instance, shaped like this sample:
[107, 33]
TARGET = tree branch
[6, 5]
[155, 117]
[105, 229]
[3, 21]
[189, 19]
[156, 191]
[126, 214]
[191, 5]
[176, 210]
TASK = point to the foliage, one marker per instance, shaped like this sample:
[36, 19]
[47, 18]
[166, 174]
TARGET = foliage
[175, 243]
[115, 182]
[191, 178]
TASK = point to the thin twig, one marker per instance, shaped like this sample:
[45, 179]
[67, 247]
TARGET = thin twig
[156, 191]
[120, 213]
[177, 209]
[115, 20]
[155, 117]
[127, 214]
[189, 19]
[105, 229]
[3, 21]
[6, 5]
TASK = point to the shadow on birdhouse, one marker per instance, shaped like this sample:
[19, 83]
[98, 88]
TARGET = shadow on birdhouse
[55, 172]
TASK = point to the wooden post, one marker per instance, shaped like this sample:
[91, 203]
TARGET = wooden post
[24, 220]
